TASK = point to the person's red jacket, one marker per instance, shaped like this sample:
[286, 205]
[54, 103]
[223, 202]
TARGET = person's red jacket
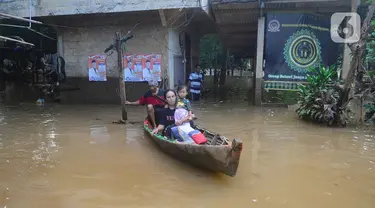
[148, 98]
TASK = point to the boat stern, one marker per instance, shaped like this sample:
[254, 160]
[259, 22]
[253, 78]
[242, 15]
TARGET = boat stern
[234, 158]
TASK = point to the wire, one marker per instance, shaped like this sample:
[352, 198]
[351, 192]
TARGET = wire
[39, 33]
[184, 24]
[171, 20]
[157, 28]
[64, 26]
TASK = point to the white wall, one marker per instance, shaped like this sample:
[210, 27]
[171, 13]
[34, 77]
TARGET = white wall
[174, 50]
[71, 7]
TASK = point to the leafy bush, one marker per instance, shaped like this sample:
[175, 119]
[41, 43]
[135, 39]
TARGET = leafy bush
[317, 100]
[368, 98]
[370, 111]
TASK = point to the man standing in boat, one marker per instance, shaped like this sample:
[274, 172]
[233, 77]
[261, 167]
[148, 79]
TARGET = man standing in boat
[152, 100]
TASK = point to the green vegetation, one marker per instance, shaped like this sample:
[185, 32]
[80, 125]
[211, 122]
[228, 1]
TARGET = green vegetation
[324, 100]
[368, 94]
[370, 45]
[211, 52]
[318, 100]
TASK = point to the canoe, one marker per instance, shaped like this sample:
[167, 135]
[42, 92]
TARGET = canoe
[217, 155]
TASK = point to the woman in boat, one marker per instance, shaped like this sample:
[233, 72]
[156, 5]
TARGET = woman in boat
[166, 115]
[167, 125]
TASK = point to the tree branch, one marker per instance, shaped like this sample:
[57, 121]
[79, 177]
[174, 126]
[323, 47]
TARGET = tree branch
[357, 52]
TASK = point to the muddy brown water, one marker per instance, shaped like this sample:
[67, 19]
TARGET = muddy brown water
[72, 156]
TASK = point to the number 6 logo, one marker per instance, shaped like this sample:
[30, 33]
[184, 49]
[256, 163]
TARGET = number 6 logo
[345, 27]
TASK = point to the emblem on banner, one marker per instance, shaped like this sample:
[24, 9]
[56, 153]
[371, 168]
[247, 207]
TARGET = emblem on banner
[274, 26]
[302, 51]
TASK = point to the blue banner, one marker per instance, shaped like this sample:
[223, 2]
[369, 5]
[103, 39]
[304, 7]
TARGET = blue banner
[294, 43]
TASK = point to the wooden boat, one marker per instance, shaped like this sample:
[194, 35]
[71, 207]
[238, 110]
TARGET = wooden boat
[218, 154]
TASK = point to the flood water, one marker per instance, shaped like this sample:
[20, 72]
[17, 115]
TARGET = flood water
[73, 156]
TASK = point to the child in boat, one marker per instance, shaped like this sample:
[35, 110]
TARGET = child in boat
[183, 102]
[183, 131]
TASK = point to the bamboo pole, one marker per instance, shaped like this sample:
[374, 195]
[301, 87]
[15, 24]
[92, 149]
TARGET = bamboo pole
[20, 18]
[15, 40]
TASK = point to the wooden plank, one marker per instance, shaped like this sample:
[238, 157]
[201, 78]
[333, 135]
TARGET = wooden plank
[162, 18]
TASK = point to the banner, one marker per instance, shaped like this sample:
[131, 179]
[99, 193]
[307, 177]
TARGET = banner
[294, 43]
[132, 69]
[156, 66]
[97, 68]
[143, 67]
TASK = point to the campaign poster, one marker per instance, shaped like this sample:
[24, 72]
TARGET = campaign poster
[156, 66]
[97, 68]
[137, 63]
[132, 73]
[151, 67]
[293, 44]
[146, 67]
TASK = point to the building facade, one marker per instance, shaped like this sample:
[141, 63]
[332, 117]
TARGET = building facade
[171, 28]
[86, 27]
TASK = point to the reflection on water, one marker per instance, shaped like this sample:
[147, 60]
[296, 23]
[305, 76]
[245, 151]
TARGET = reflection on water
[72, 156]
[99, 134]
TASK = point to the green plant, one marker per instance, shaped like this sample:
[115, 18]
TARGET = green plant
[368, 97]
[317, 100]
[370, 111]
[210, 51]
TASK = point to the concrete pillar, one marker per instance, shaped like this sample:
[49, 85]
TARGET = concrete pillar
[60, 49]
[347, 57]
[259, 63]
[195, 39]
[171, 46]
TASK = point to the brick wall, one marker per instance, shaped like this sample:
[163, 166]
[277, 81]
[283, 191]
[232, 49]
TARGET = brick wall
[92, 34]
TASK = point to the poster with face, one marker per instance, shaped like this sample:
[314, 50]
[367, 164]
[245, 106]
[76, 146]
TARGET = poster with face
[137, 60]
[131, 72]
[147, 67]
[156, 66]
[97, 68]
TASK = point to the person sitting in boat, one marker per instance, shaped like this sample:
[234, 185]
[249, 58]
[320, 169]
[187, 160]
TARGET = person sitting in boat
[183, 130]
[183, 102]
[153, 99]
[166, 117]
[167, 122]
